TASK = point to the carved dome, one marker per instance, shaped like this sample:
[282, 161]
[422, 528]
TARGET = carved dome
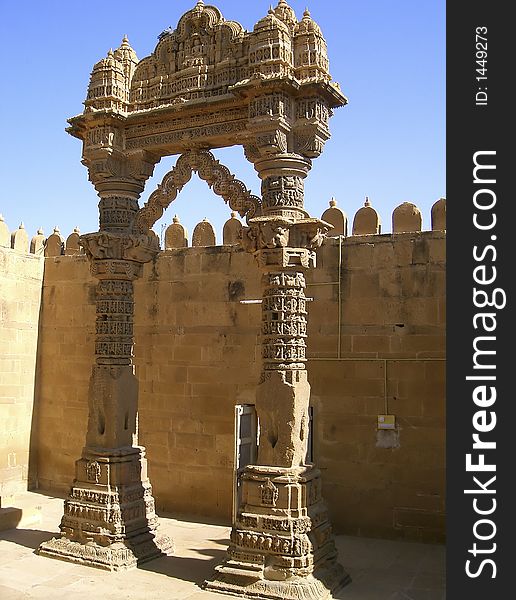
[271, 21]
[286, 14]
[200, 16]
[110, 79]
[105, 63]
[307, 25]
[311, 52]
[125, 51]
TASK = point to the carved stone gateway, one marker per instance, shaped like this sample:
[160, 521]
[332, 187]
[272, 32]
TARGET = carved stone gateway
[209, 84]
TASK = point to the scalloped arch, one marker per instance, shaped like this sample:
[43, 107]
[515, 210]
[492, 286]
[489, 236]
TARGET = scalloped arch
[217, 176]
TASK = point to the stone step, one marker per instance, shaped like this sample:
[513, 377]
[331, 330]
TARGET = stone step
[21, 511]
[246, 570]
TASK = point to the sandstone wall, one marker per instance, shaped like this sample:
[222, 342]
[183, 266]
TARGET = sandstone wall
[377, 343]
[20, 293]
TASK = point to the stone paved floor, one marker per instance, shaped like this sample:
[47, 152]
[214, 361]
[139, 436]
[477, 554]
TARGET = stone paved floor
[381, 569]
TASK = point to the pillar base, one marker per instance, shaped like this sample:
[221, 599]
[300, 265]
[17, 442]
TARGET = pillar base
[281, 544]
[321, 585]
[119, 556]
[109, 520]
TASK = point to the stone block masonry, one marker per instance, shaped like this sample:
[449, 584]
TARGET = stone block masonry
[21, 278]
[376, 346]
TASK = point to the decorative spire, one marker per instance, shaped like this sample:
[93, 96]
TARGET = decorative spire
[308, 25]
[175, 219]
[125, 51]
[367, 201]
[333, 202]
[198, 8]
[286, 14]
[40, 231]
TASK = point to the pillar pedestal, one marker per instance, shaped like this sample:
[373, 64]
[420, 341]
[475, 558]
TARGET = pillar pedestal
[281, 545]
[109, 520]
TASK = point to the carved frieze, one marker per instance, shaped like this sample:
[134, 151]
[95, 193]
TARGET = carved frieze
[103, 136]
[138, 248]
[283, 191]
[95, 496]
[283, 321]
[297, 545]
[208, 135]
[117, 212]
[314, 110]
[269, 523]
[271, 105]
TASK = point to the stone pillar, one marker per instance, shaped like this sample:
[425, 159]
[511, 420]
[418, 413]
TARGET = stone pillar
[282, 544]
[109, 520]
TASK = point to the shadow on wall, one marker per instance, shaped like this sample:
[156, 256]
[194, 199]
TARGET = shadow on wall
[32, 483]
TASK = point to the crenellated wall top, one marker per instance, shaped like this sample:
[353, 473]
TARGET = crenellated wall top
[406, 218]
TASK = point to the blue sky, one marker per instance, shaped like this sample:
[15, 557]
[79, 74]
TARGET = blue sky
[388, 143]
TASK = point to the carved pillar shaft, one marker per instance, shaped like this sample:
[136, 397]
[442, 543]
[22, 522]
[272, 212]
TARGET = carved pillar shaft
[109, 520]
[281, 543]
[283, 392]
[117, 212]
[112, 420]
[114, 322]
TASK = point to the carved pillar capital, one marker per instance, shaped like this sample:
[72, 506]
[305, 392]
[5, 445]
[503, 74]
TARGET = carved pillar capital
[120, 246]
[281, 243]
[119, 180]
[113, 172]
[310, 130]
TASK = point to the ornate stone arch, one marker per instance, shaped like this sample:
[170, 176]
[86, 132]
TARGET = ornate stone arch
[216, 175]
[209, 84]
